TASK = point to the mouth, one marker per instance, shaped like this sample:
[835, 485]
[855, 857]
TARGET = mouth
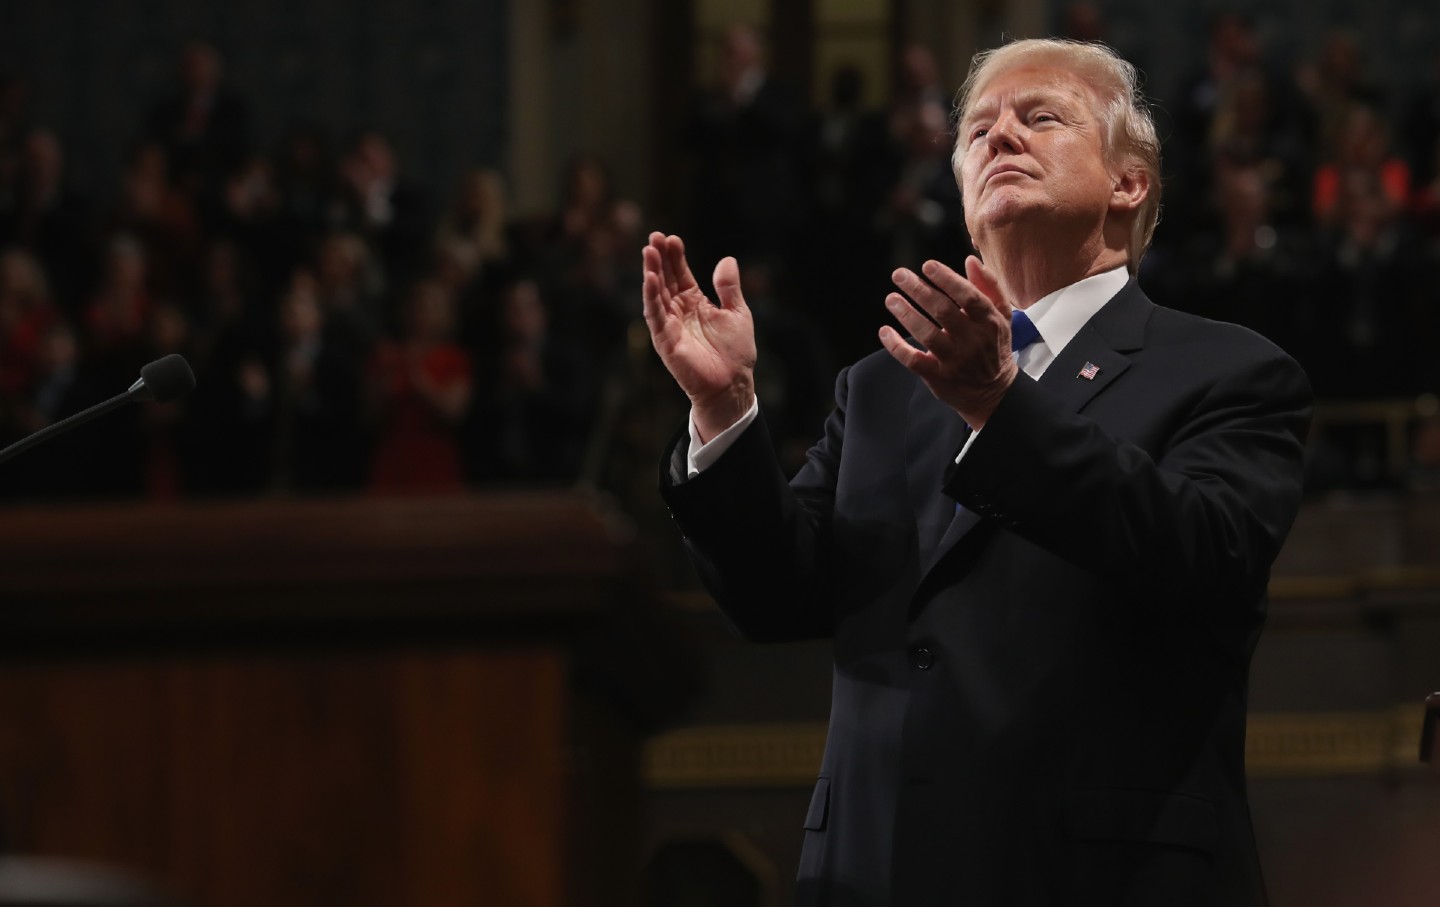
[1004, 169]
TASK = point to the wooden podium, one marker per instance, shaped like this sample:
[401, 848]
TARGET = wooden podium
[361, 702]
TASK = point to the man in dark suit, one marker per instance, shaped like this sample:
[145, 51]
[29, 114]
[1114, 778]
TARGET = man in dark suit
[1044, 571]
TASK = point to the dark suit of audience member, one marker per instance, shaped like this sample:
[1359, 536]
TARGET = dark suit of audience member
[1043, 593]
[534, 391]
[1373, 295]
[204, 126]
[745, 136]
[321, 445]
[1250, 268]
[56, 223]
[389, 210]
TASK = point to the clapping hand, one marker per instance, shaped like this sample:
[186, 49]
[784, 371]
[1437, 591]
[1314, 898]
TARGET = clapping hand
[964, 324]
[709, 348]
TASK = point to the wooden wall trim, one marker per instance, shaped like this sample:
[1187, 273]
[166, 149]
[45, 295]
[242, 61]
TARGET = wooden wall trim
[363, 559]
[1278, 745]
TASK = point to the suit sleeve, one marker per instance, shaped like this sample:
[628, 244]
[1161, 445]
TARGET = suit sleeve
[761, 544]
[1203, 517]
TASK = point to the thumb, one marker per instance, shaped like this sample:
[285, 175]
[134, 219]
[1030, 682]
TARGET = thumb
[727, 283]
[985, 281]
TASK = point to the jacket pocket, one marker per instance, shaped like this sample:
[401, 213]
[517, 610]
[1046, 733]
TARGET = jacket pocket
[819, 811]
[1159, 817]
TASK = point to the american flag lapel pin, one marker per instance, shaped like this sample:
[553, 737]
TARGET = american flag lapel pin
[1089, 371]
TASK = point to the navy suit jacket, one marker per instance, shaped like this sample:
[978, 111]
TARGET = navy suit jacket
[1039, 697]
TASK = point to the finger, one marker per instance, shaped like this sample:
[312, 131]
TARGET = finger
[917, 361]
[987, 283]
[653, 267]
[654, 249]
[653, 300]
[920, 325]
[677, 269]
[667, 268]
[650, 262]
[968, 296]
[727, 284]
[933, 304]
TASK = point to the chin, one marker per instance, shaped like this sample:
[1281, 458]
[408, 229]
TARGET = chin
[1005, 211]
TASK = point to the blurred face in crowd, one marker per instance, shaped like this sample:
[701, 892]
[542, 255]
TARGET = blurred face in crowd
[200, 69]
[125, 265]
[341, 259]
[59, 351]
[432, 311]
[169, 329]
[917, 68]
[1244, 197]
[44, 160]
[22, 282]
[523, 314]
[300, 315]
[1232, 42]
[373, 158]
[928, 130]
[1365, 137]
[482, 195]
[739, 53]
[589, 184]
[1031, 149]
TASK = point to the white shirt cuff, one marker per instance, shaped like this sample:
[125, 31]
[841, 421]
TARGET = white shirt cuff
[701, 457]
[966, 446]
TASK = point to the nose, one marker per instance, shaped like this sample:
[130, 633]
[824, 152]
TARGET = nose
[1006, 134]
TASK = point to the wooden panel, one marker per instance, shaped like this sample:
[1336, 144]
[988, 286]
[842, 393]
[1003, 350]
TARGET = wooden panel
[357, 701]
[363, 778]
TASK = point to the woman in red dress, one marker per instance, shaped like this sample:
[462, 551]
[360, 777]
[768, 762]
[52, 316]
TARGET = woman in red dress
[423, 388]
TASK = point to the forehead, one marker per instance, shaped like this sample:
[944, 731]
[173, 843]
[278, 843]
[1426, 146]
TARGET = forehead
[1031, 81]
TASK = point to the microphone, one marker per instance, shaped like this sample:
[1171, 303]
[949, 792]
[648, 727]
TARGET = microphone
[163, 380]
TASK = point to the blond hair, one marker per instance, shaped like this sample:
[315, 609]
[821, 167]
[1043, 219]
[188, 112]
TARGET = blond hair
[1129, 136]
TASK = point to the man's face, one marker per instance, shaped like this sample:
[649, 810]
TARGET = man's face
[1030, 150]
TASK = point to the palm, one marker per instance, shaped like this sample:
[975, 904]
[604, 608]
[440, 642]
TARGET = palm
[703, 344]
[708, 348]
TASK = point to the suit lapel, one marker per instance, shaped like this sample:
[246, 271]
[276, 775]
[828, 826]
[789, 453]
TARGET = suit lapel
[1090, 362]
[1096, 355]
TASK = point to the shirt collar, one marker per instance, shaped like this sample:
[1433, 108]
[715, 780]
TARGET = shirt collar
[1060, 315]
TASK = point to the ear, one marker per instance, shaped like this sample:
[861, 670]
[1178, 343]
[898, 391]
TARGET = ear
[1130, 189]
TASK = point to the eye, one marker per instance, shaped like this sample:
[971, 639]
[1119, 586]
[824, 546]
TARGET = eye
[978, 134]
[1045, 118]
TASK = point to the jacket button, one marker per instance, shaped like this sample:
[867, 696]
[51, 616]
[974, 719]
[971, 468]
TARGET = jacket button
[922, 659]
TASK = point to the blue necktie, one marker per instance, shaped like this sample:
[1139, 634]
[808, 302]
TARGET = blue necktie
[1022, 330]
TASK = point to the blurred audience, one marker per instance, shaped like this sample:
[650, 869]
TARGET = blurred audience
[389, 210]
[745, 133]
[352, 329]
[320, 442]
[422, 385]
[44, 213]
[536, 394]
[203, 127]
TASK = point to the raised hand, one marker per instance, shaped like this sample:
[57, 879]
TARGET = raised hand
[966, 362]
[708, 348]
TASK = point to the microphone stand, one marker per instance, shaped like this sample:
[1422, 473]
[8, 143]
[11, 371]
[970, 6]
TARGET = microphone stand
[85, 415]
